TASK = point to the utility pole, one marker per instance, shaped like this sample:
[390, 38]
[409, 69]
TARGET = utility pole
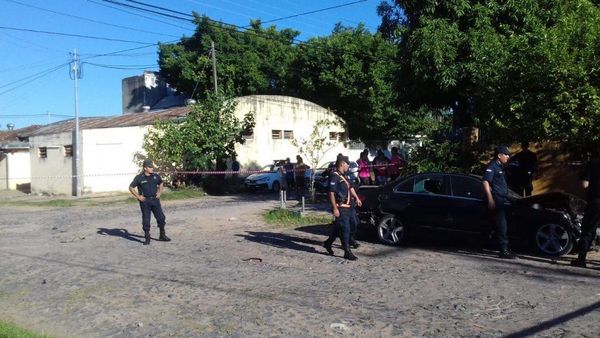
[214, 64]
[75, 73]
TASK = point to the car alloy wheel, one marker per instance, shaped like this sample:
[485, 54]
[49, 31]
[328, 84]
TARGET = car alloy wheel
[553, 239]
[390, 230]
[275, 186]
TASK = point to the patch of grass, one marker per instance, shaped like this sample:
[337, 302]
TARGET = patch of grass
[285, 217]
[97, 201]
[10, 330]
[182, 193]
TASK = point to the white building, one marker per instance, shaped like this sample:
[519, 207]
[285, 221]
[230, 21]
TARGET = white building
[14, 160]
[109, 144]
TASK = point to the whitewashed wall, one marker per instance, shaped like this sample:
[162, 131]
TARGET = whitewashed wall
[282, 113]
[51, 174]
[108, 155]
[15, 169]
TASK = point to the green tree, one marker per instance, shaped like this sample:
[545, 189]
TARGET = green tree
[353, 72]
[201, 140]
[314, 148]
[516, 69]
[252, 61]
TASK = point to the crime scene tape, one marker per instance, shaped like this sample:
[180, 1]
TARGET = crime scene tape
[176, 172]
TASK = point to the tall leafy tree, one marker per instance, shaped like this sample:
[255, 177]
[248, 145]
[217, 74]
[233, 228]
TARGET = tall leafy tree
[353, 72]
[201, 140]
[529, 67]
[252, 61]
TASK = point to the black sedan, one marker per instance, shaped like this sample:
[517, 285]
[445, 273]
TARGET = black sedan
[549, 222]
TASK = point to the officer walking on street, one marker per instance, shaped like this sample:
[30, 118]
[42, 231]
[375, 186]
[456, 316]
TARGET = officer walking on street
[342, 198]
[496, 192]
[147, 188]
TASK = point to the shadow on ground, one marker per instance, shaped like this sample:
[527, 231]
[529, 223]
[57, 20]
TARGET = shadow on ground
[123, 233]
[283, 241]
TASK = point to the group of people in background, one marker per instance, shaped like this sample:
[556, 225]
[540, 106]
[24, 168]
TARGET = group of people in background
[382, 169]
[291, 176]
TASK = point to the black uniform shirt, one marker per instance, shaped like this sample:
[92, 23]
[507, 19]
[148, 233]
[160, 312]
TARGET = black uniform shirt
[146, 185]
[495, 175]
[338, 187]
[592, 175]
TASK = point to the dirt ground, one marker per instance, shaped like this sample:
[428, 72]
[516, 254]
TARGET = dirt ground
[83, 272]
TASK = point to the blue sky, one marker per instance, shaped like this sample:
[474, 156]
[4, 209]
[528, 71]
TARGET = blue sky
[35, 87]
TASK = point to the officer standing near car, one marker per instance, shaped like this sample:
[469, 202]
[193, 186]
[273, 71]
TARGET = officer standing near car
[147, 188]
[591, 216]
[496, 192]
[343, 199]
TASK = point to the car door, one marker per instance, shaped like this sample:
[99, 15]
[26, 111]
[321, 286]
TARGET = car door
[426, 204]
[469, 208]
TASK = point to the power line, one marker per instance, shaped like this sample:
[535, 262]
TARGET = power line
[211, 22]
[314, 11]
[120, 66]
[87, 19]
[31, 78]
[74, 35]
[152, 11]
[136, 14]
[34, 115]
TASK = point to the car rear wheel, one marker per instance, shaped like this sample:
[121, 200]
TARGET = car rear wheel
[275, 186]
[390, 230]
[553, 239]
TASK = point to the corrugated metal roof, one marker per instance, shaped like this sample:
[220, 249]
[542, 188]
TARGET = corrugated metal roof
[127, 120]
[14, 135]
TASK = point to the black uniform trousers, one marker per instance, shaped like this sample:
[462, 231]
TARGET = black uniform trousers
[344, 226]
[591, 221]
[152, 205]
[499, 216]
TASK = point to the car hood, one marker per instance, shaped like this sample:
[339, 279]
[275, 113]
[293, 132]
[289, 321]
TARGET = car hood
[258, 177]
[555, 200]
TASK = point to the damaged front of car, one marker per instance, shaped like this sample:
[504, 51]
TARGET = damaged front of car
[552, 220]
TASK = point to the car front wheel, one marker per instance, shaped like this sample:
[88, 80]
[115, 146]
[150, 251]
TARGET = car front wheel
[390, 230]
[553, 239]
[275, 186]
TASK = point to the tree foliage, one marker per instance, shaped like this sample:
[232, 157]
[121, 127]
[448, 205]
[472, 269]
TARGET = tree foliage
[201, 140]
[314, 147]
[517, 69]
[351, 72]
[254, 61]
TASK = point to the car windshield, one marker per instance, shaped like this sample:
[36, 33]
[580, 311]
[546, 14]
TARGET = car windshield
[268, 168]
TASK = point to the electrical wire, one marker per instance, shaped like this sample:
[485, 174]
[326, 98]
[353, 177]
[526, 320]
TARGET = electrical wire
[87, 19]
[137, 14]
[120, 66]
[31, 78]
[314, 11]
[152, 11]
[74, 35]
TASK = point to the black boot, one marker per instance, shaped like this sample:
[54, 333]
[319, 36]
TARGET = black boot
[580, 261]
[349, 255]
[147, 237]
[354, 244]
[163, 237]
[506, 254]
[327, 246]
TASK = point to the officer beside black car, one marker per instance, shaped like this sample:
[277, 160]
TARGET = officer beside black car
[591, 217]
[496, 191]
[147, 188]
[343, 199]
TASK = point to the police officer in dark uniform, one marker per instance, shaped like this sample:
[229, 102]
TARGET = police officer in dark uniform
[147, 188]
[591, 217]
[343, 199]
[496, 191]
